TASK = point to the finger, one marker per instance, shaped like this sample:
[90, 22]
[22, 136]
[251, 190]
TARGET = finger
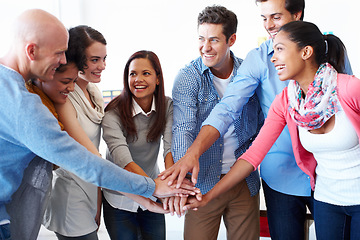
[171, 206]
[182, 204]
[198, 196]
[187, 181]
[166, 173]
[182, 195]
[162, 173]
[180, 178]
[191, 204]
[177, 206]
[188, 187]
[195, 172]
[171, 178]
[157, 208]
[183, 191]
[165, 203]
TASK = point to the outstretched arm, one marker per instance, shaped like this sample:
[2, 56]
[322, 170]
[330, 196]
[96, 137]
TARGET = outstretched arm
[273, 126]
[190, 161]
[147, 203]
[68, 117]
[187, 144]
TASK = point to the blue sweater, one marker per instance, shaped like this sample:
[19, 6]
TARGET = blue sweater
[27, 128]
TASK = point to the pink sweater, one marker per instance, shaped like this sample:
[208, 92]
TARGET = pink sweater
[278, 117]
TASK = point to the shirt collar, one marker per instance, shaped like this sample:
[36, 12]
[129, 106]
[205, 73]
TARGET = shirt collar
[138, 110]
[271, 47]
[204, 67]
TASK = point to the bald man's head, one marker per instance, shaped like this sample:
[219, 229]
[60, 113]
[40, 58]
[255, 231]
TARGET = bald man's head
[44, 39]
[35, 24]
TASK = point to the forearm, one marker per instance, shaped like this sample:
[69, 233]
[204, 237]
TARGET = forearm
[134, 168]
[143, 201]
[206, 137]
[99, 203]
[168, 161]
[68, 117]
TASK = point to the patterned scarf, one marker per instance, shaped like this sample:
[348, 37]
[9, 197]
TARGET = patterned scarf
[44, 99]
[321, 101]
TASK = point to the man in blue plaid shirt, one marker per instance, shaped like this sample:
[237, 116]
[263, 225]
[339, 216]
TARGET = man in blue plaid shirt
[198, 87]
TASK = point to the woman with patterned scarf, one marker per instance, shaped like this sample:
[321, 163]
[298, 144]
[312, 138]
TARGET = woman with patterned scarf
[321, 108]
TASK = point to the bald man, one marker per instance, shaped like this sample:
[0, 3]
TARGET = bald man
[27, 128]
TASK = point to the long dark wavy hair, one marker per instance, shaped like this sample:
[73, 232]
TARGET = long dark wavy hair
[123, 102]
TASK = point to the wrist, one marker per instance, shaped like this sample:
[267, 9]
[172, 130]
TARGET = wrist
[206, 198]
[194, 151]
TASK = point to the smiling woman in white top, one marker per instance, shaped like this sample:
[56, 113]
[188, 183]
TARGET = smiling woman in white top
[133, 125]
[74, 209]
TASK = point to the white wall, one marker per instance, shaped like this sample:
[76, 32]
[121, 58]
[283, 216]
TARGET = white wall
[169, 28]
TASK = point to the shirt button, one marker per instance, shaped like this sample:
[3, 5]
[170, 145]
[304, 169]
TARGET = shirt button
[220, 160]
[221, 145]
[205, 99]
[218, 176]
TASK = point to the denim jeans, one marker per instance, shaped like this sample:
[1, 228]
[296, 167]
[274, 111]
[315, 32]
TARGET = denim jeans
[5, 232]
[336, 222]
[286, 214]
[122, 224]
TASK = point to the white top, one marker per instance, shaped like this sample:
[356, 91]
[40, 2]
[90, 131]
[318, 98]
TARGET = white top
[338, 156]
[138, 110]
[230, 139]
[73, 203]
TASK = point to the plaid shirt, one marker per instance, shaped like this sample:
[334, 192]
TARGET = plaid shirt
[194, 96]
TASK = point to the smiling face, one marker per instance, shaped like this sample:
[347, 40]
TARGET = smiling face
[50, 56]
[62, 84]
[142, 81]
[95, 61]
[213, 47]
[288, 59]
[275, 15]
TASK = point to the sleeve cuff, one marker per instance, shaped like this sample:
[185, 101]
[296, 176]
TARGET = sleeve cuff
[150, 187]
